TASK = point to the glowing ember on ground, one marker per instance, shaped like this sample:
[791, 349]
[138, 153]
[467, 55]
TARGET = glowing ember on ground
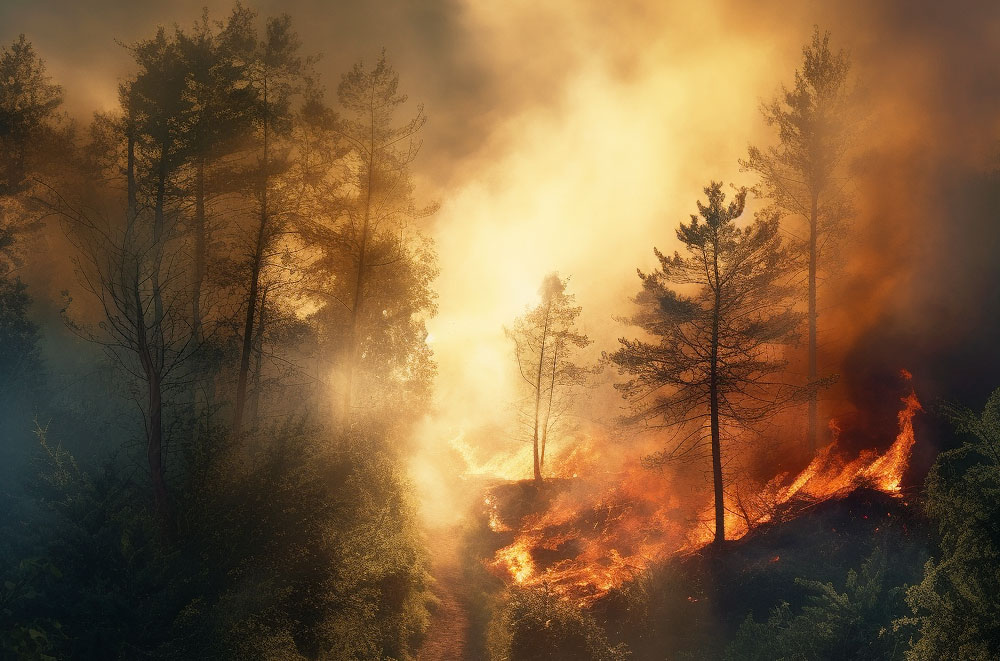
[582, 546]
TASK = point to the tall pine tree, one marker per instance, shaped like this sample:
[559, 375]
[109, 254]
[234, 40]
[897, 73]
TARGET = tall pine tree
[803, 177]
[717, 315]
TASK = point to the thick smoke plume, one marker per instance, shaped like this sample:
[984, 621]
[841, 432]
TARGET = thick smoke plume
[569, 137]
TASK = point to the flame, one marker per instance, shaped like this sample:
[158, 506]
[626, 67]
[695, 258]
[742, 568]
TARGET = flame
[494, 521]
[582, 546]
[516, 558]
[829, 475]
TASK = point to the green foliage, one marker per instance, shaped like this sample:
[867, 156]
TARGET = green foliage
[115, 590]
[286, 543]
[534, 625]
[22, 379]
[24, 635]
[20, 362]
[852, 624]
[305, 548]
[28, 102]
[802, 175]
[716, 339]
[321, 555]
[374, 266]
[955, 606]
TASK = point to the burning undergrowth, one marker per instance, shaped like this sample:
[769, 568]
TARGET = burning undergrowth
[583, 536]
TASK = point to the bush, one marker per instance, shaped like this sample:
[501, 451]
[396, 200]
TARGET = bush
[531, 625]
[305, 548]
[955, 606]
[852, 624]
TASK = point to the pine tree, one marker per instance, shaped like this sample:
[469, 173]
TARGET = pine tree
[29, 101]
[28, 104]
[372, 235]
[716, 348]
[803, 175]
[955, 605]
[273, 72]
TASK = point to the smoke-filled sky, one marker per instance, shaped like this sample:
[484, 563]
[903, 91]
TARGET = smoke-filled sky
[574, 136]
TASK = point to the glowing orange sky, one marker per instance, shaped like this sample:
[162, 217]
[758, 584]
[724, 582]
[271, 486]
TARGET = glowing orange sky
[566, 136]
[586, 186]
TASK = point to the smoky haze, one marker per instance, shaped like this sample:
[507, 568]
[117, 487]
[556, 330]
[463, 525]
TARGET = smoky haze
[568, 137]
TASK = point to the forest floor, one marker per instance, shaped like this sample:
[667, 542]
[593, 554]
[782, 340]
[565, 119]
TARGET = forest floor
[447, 635]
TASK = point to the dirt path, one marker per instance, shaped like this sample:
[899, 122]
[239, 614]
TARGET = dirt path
[446, 636]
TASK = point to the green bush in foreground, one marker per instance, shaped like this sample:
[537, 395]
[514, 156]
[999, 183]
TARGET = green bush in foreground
[535, 625]
[305, 548]
[956, 604]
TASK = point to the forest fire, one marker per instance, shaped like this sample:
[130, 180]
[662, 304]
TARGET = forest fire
[451, 330]
[581, 547]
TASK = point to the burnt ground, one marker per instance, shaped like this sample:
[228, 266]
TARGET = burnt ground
[693, 604]
[698, 601]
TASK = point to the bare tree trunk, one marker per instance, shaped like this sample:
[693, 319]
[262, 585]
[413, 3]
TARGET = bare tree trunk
[255, 269]
[538, 393]
[813, 430]
[133, 202]
[354, 341]
[154, 436]
[259, 361]
[198, 278]
[248, 326]
[158, 229]
[154, 429]
[720, 505]
[548, 408]
[200, 250]
[358, 306]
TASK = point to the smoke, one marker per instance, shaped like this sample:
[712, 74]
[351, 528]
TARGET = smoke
[570, 137]
[925, 269]
[588, 184]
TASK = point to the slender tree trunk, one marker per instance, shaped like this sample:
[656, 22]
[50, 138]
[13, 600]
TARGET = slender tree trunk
[259, 361]
[538, 392]
[354, 341]
[158, 229]
[548, 408]
[200, 249]
[813, 430]
[255, 269]
[248, 325]
[353, 346]
[157, 348]
[133, 202]
[154, 434]
[154, 430]
[197, 281]
[720, 504]
[720, 507]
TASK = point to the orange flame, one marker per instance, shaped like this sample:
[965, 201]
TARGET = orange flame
[582, 548]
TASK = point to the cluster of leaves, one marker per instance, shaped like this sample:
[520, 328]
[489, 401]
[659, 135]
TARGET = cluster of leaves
[301, 551]
[833, 624]
[546, 339]
[955, 605]
[534, 625]
[267, 540]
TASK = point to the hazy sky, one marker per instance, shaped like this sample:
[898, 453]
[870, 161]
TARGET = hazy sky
[573, 136]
